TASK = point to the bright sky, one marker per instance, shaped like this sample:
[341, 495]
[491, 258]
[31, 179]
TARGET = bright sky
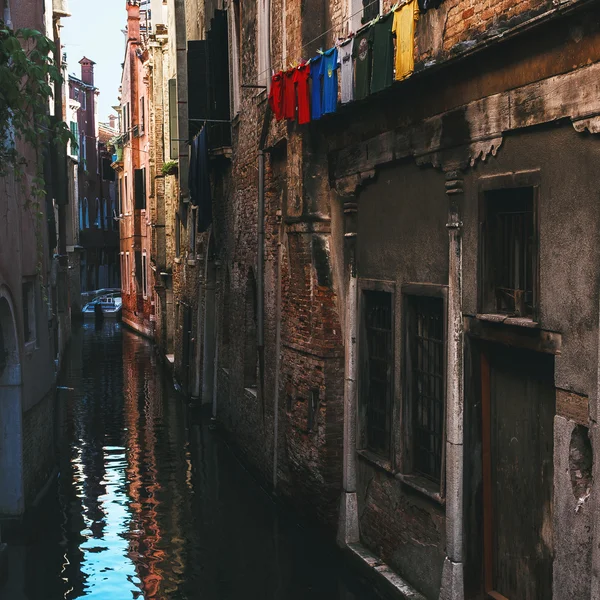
[94, 30]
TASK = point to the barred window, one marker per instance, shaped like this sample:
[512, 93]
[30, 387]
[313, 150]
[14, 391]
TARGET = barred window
[376, 369]
[509, 252]
[425, 357]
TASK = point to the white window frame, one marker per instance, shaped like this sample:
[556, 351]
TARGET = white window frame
[264, 44]
[127, 273]
[144, 274]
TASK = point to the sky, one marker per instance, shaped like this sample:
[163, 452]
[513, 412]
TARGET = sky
[94, 29]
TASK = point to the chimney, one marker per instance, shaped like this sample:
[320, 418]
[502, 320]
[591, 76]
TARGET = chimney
[87, 70]
[133, 20]
[112, 121]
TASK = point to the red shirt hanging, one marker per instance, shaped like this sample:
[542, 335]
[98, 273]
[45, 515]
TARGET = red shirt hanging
[289, 95]
[276, 95]
[301, 75]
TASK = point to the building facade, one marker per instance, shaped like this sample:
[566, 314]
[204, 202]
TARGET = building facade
[132, 165]
[96, 253]
[393, 309]
[34, 299]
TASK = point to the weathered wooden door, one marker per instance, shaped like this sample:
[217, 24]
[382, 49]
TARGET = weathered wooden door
[518, 402]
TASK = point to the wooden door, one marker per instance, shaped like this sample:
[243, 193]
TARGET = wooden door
[518, 402]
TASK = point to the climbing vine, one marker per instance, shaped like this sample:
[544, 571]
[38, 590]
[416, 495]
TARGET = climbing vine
[27, 74]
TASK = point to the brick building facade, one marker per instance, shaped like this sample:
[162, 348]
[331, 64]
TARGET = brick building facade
[34, 299]
[132, 166]
[394, 312]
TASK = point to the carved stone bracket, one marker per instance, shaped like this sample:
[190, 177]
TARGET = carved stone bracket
[592, 124]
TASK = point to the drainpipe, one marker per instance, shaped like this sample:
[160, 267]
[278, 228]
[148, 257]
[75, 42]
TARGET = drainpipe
[217, 344]
[260, 272]
[348, 532]
[452, 574]
[277, 349]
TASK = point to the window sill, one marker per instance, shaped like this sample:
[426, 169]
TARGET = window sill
[423, 486]
[251, 391]
[506, 320]
[191, 262]
[378, 461]
[30, 347]
[177, 260]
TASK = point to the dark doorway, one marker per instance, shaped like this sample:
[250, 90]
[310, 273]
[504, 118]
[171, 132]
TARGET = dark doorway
[518, 403]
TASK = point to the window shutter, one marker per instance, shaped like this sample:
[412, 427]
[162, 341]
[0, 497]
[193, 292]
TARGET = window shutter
[199, 84]
[173, 120]
[140, 189]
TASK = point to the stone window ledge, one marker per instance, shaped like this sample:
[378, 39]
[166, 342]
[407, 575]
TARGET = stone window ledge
[385, 464]
[423, 486]
[252, 392]
[507, 320]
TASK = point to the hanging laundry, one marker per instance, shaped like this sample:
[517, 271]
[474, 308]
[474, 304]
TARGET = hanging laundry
[404, 29]
[346, 70]
[199, 180]
[329, 66]
[301, 75]
[289, 95]
[276, 95]
[361, 52]
[317, 87]
[383, 53]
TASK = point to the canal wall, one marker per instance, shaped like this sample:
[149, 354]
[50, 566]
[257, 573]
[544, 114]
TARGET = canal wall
[39, 458]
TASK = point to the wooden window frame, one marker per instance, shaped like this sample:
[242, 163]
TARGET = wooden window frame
[433, 489]
[507, 181]
[386, 460]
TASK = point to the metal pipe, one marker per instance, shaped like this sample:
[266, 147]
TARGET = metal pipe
[260, 258]
[277, 351]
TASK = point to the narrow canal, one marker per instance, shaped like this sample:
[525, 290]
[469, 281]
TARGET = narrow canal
[150, 504]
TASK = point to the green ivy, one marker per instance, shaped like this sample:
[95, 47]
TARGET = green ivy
[27, 72]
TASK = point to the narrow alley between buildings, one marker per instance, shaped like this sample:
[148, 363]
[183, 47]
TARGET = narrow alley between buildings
[150, 504]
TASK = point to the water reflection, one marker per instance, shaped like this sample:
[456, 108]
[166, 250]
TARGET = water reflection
[151, 505]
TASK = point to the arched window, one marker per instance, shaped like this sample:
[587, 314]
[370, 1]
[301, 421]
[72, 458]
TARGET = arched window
[98, 221]
[86, 214]
[250, 337]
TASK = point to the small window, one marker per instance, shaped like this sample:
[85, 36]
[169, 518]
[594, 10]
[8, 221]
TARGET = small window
[361, 12]
[425, 382]
[173, 121]
[142, 115]
[125, 195]
[83, 100]
[144, 275]
[192, 231]
[29, 316]
[376, 370]
[140, 189]
[509, 252]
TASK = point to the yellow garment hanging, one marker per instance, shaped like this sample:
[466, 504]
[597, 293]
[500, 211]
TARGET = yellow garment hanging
[404, 29]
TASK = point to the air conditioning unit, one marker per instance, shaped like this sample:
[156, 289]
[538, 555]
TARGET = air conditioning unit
[60, 8]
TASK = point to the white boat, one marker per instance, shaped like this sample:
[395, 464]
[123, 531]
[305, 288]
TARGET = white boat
[110, 305]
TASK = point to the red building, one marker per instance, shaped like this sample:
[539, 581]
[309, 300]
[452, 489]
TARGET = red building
[132, 164]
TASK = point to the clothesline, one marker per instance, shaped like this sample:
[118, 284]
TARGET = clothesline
[369, 65]
[270, 70]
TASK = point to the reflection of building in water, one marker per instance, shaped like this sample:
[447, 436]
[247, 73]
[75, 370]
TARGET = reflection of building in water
[155, 475]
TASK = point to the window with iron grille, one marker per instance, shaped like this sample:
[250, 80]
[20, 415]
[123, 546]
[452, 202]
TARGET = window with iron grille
[425, 367]
[376, 369]
[509, 252]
